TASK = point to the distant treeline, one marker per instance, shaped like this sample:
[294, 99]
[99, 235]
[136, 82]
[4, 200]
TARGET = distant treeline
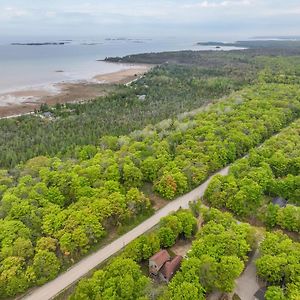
[215, 58]
[259, 44]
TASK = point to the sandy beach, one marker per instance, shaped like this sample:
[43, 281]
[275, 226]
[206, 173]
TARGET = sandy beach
[25, 101]
[123, 76]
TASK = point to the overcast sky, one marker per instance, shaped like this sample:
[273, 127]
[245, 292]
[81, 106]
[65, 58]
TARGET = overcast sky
[193, 18]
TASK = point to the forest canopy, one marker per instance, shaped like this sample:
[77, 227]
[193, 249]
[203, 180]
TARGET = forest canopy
[270, 172]
[54, 210]
[187, 81]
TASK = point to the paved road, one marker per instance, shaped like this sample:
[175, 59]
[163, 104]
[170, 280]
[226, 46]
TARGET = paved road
[247, 284]
[52, 288]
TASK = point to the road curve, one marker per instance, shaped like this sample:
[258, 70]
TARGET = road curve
[54, 287]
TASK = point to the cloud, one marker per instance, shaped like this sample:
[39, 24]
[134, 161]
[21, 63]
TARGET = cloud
[13, 12]
[51, 14]
[282, 12]
[214, 4]
[144, 15]
[137, 9]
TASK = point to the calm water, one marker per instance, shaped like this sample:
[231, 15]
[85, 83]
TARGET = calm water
[23, 67]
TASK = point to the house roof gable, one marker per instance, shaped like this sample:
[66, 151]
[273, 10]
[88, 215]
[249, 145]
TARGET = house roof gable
[160, 258]
[170, 267]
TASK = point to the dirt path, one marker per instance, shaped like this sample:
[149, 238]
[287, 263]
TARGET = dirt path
[52, 288]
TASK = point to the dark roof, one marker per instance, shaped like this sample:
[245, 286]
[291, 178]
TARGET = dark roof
[142, 97]
[279, 201]
[260, 294]
[170, 267]
[47, 114]
[160, 258]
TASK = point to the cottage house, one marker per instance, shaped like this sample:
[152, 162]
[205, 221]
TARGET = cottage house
[142, 97]
[47, 114]
[157, 261]
[170, 268]
[279, 201]
[260, 294]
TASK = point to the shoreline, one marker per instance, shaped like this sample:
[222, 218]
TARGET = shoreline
[24, 102]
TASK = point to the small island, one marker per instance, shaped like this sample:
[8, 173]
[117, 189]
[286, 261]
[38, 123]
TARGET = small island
[39, 44]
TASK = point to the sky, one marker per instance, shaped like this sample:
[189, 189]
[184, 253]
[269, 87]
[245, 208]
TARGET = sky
[202, 19]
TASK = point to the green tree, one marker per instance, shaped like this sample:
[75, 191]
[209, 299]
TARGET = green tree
[271, 268]
[293, 290]
[185, 291]
[289, 218]
[188, 221]
[45, 266]
[132, 176]
[121, 279]
[46, 243]
[23, 248]
[229, 268]
[166, 186]
[274, 293]
[137, 202]
[271, 215]
[150, 167]
[13, 278]
[167, 237]
[203, 269]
